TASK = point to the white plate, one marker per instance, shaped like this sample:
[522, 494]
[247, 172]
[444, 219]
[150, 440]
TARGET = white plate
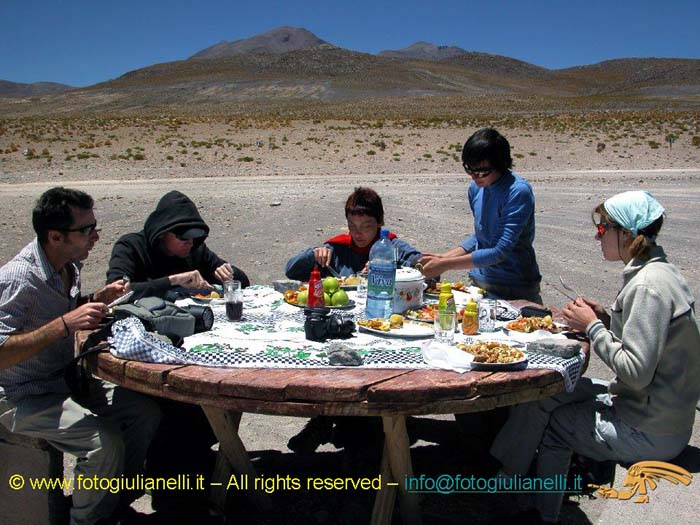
[499, 366]
[496, 366]
[409, 330]
[212, 302]
[525, 337]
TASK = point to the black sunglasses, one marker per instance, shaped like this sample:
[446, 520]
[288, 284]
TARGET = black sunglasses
[179, 233]
[84, 230]
[478, 173]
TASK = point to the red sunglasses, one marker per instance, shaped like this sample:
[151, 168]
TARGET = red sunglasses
[603, 227]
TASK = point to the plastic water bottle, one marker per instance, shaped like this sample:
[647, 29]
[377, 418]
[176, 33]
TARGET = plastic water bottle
[381, 278]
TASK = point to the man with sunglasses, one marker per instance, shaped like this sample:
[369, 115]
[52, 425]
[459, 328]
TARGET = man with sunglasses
[108, 429]
[170, 252]
[499, 255]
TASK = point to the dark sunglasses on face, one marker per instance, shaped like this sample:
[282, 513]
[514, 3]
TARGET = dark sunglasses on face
[478, 173]
[178, 235]
[84, 230]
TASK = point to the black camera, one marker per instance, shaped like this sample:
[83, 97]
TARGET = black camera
[321, 324]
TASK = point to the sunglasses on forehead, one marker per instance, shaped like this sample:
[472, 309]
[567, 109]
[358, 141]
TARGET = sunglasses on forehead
[83, 230]
[478, 173]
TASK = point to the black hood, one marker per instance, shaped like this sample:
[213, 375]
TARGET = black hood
[174, 210]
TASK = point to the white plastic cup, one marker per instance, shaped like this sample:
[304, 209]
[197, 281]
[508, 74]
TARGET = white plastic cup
[487, 315]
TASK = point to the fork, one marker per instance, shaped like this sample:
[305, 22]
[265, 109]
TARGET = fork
[332, 270]
[568, 288]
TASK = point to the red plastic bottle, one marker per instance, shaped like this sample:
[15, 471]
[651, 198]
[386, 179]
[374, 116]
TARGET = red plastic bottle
[315, 297]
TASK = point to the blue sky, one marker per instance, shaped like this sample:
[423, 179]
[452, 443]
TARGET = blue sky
[81, 42]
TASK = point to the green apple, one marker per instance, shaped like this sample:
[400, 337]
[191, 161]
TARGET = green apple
[326, 299]
[339, 298]
[330, 285]
[302, 298]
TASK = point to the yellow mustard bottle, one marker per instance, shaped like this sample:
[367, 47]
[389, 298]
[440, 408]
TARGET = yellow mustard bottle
[470, 318]
[446, 300]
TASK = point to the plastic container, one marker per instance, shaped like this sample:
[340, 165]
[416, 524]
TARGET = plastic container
[470, 318]
[446, 300]
[315, 297]
[408, 290]
[381, 278]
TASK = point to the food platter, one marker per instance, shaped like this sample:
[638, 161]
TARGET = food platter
[208, 299]
[350, 282]
[434, 289]
[349, 306]
[509, 352]
[409, 330]
[529, 325]
[426, 314]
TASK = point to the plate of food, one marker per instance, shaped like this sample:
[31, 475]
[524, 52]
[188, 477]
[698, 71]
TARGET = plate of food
[299, 299]
[396, 326]
[434, 289]
[528, 325]
[350, 282]
[426, 314]
[494, 355]
[212, 297]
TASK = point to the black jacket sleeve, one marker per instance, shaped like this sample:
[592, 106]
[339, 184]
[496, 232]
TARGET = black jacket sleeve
[127, 261]
[210, 261]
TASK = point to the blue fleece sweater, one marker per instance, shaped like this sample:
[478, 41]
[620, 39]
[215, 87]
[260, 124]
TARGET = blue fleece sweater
[504, 224]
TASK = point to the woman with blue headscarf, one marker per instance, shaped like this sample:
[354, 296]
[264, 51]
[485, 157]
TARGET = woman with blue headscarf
[650, 340]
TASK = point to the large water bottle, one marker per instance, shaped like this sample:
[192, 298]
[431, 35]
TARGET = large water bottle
[381, 278]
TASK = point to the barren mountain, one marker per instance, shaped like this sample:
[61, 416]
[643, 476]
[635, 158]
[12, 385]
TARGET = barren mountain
[641, 76]
[423, 51]
[291, 72]
[276, 41]
[15, 89]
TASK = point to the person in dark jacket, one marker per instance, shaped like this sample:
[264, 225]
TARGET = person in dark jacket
[170, 251]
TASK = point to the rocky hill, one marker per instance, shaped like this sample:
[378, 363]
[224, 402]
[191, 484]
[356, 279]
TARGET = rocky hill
[15, 89]
[423, 51]
[291, 72]
[276, 41]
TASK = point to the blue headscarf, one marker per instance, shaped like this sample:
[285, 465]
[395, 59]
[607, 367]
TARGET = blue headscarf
[634, 210]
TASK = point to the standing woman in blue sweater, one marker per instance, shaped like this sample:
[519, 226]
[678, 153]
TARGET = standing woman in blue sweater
[499, 255]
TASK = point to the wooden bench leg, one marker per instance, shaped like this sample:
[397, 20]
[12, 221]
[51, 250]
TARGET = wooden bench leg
[225, 423]
[397, 461]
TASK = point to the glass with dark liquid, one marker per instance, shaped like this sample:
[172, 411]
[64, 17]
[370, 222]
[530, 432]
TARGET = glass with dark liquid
[234, 300]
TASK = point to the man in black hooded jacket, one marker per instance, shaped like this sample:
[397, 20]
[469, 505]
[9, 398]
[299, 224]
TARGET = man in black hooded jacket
[170, 251]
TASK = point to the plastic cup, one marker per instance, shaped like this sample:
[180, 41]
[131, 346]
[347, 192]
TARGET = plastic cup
[445, 327]
[234, 300]
[487, 315]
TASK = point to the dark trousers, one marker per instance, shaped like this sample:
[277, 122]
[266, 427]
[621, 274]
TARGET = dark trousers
[182, 445]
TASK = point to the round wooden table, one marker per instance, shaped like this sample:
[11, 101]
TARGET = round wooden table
[225, 393]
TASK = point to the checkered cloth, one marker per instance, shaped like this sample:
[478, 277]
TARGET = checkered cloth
[570, 369]
[271, 335]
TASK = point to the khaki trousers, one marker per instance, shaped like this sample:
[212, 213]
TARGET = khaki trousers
[108, 432]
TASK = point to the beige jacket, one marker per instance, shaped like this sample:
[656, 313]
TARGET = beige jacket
[653, 346]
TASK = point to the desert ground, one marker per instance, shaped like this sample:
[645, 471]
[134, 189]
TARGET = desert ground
[290, 195]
